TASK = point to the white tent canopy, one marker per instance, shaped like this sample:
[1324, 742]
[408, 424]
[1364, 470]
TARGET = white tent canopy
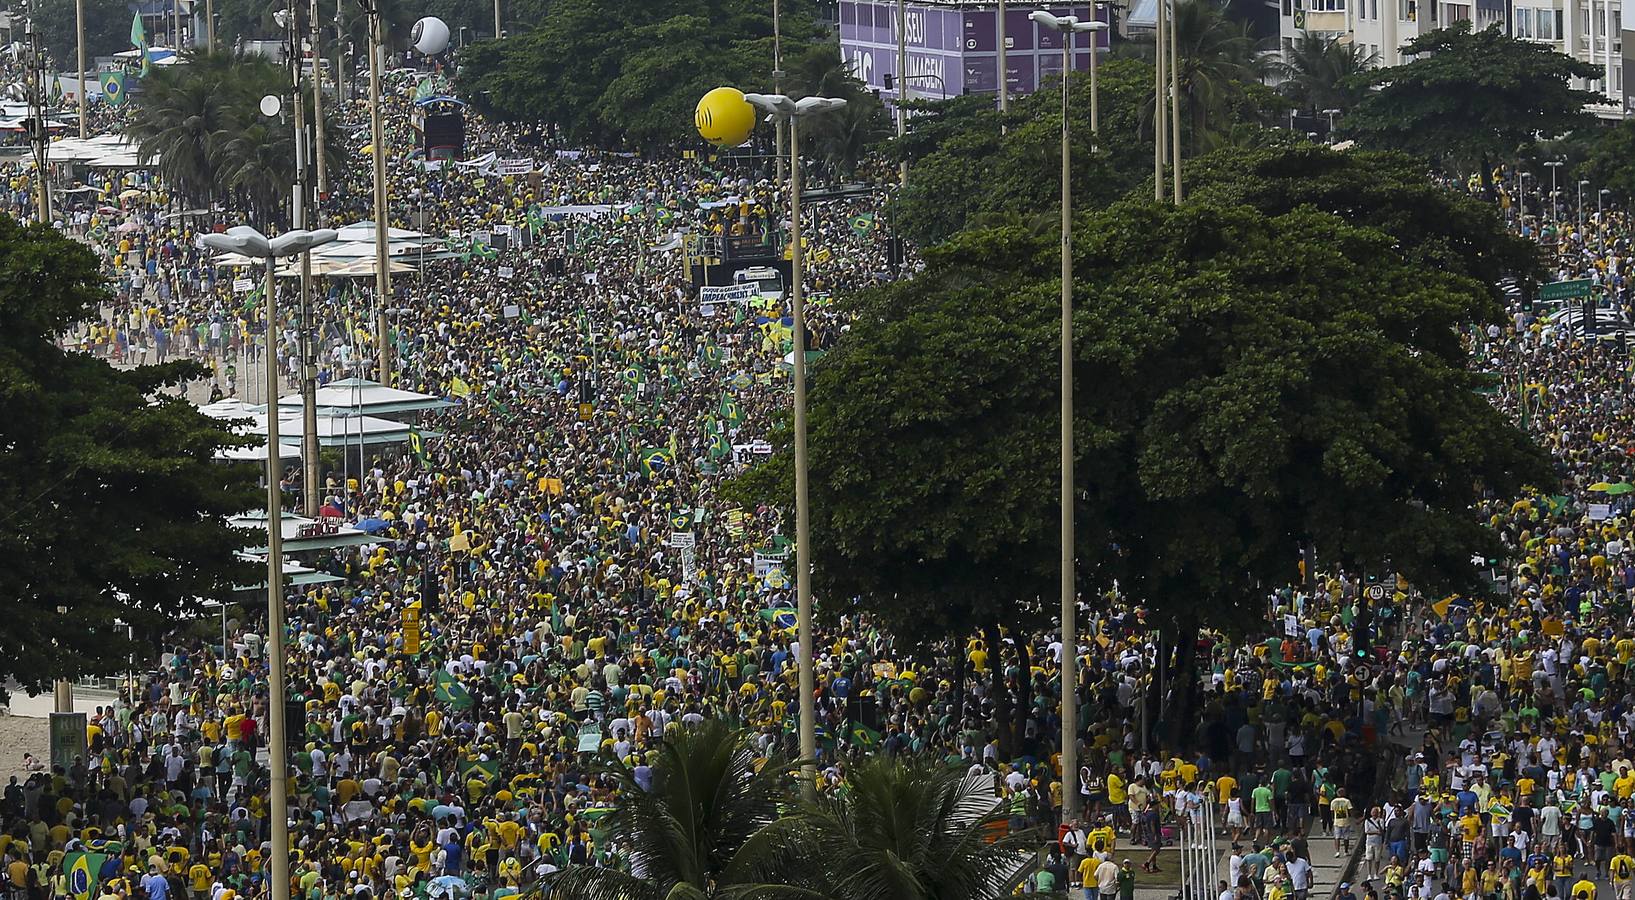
[301, 533]
[371, 398]
[339, 429]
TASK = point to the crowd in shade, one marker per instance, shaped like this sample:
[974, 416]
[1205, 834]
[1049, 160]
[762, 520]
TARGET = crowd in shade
[1479, 748]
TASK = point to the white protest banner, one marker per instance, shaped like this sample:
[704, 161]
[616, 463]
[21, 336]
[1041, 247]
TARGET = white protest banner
[507, 271]
[512, 311]
[518, 165]
[726, 293]
[243, 285]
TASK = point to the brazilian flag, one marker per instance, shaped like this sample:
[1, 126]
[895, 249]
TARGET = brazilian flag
[719, 448]
[634, 374]
[655, 461]
[450, 691]
[861, 224]
[81, 869]
[680, 521]
[712, 355]
[486, 769]
[729, 411]
[417, 446]
[113, 87]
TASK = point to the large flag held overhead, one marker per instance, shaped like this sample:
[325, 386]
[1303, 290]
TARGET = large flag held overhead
[139, 39]
[449, 690]
[81, 870]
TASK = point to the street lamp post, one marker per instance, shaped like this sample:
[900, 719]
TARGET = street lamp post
[792, 111]
[299, 212]
[1521, 194]
[249, 242]
[1555, 200]
[1581, 185]
[1068, 26]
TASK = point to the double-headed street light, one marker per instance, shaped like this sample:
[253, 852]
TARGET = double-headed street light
[247, 241]
[791, 112]
[1068, 26]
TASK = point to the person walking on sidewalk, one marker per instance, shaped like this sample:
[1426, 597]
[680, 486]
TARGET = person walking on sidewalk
[1340, 809]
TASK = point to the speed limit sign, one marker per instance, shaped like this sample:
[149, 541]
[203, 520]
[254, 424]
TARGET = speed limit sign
[1375, 592]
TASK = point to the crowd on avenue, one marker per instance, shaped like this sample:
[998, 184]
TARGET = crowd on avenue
[1487, 742]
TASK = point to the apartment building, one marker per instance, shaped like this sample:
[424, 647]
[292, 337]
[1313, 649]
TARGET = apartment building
[1591, 30]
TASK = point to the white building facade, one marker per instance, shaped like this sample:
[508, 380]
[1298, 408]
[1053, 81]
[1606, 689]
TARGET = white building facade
[1591, 30]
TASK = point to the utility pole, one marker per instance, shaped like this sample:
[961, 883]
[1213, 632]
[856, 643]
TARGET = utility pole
[496, 20]
[38, 136]
[210, 25]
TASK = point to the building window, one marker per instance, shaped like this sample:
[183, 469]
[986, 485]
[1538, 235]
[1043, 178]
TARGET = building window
[1544, 24]
[1524, 22]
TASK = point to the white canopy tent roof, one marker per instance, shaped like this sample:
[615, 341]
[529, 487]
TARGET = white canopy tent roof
[302, 534]
[107, 151]
[366, 397]
[339, 429]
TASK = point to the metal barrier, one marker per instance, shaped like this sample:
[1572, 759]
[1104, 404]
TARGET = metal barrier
[1200, 855]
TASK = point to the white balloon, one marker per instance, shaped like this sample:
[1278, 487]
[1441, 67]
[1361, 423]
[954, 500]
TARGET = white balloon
[430, 36]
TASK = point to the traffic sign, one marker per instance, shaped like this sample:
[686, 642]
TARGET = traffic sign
[1374, 592]
[411, 639]
[1576, 289]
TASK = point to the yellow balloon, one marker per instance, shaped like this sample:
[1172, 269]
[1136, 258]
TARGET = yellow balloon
[724, 117]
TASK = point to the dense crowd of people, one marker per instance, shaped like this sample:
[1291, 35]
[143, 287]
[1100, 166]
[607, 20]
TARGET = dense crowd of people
[599, 405]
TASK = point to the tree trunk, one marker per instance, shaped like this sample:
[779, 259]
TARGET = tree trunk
[1000, 693]
[1487, 177]
[1179, 714]
[1024, 690]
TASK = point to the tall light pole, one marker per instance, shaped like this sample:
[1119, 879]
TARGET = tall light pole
[777, 85]
[79, 31]
[210, 26]
[1159, 118]
[1068, 26]
[1004, 67]
[1555, 198]
[1174, 104]
[793, 111]
[383, 275]
[1600, 217]
[318, 107]
[298, 219]
[902, 83]
[245, 240]
[496, 20]
[39, 135]
[1581, 185]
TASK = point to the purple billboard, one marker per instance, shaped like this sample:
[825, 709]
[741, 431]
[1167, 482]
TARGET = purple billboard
[953, 50]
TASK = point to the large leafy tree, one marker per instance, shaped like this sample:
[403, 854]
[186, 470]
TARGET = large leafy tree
[1253, 379]
[635, 82]
[112, 507]
[1217, 58]
[107, 30]
[1609, 161]
[963, 169]
[1469, 98]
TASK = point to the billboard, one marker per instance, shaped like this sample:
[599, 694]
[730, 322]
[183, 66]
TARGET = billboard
[952, 50]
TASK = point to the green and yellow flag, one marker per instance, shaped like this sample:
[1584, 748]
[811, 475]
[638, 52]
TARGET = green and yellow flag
[655, 461]
[417, 446]
[449, 690]
[82, 870]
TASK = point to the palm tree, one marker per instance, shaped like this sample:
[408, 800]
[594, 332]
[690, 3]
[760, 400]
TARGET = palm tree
[258, 160]
[706, 829]
[1216, 56]
[913, 830]
[1322, 72]
[180, 120]
[840, 139]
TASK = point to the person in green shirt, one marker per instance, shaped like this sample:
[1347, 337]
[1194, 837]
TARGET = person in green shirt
[1261, 799]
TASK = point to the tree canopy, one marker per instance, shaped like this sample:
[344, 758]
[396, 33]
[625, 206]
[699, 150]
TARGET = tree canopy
[107, 30]
[1275, 362]
[637, 83]
[1470, 97]
[112, 506]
